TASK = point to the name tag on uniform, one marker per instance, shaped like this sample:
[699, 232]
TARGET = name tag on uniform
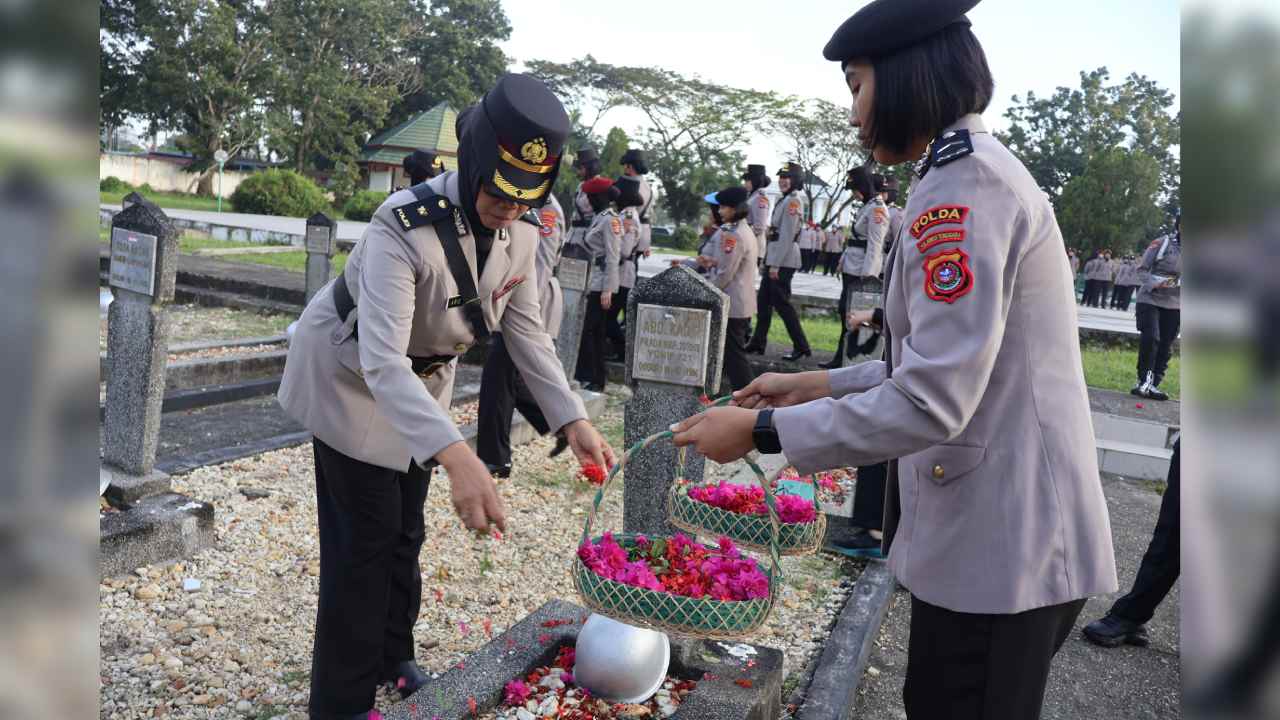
[454, 302]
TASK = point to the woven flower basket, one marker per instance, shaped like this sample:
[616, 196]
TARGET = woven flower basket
[751, 532]
[677, 614]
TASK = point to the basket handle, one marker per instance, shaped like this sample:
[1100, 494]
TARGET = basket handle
[770, 504]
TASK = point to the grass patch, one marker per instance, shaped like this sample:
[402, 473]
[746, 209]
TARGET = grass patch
[1112, 368]
[294, 261]
[823, 332]
[674, 251]
[176, 200]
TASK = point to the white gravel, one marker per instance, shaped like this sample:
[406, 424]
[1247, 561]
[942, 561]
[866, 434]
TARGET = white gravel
[240, 644]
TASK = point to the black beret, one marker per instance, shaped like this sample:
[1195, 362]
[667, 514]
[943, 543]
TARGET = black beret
[531, 128]
[635, 158]
[585, 155]
[628, 191]
[792, 170]
[885, 26]
[754, 171]
[732, 196]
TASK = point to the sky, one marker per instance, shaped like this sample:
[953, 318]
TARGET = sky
[771, 45]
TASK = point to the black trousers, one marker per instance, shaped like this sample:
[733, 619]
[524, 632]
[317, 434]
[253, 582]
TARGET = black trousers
[966, 666]
[502, 391]
[1160, 564]
[849, 285]
[613, 329]
[1091, 289]
[832, 262]
[868, 497]
[736, 365]
[371, 531]
[1157, 329]
[776, 295]
[1104, 292]
[591, 368]
[1122, 296]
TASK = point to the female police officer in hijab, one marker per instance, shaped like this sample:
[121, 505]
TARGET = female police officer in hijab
[370, 374]
[995, 518]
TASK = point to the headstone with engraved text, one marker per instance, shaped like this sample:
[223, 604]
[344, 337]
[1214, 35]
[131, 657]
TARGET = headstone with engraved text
[319, 246]
[573, 273]
[675, 349]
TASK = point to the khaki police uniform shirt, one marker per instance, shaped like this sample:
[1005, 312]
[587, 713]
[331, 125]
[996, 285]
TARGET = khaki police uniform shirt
[550, 296]
[604, 241]
[985, 405]
[630, 245]
[582, 212]
[758, 218]
[646, 215]
[787, 219]
[359, 394]
[896, 215]
[833, 240]
[733, 249]
[871, 224]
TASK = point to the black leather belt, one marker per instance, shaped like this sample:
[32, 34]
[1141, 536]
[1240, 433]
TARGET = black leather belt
[857, 244]
[423, 367]
[580, 224]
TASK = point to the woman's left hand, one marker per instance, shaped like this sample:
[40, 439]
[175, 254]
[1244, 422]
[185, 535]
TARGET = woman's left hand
[722, 434]
[589, 446]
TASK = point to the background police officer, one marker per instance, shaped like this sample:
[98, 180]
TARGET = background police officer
[755, 180]
[731, 259]
[782, 259]
[604, 241]
[370, 375]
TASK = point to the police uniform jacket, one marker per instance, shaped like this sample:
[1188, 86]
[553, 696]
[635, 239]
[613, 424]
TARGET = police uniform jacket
[982, 399]
[865, 254]
[352, 384]
[788, 217]
[1075, 264]
[896, 215]
[580, 222]
[604, 241]
[733, 249]
[758, 218]
[550, 296]
[1160, 274]
[808, 238]
[630, 247]
[833, 240]
[646, 220]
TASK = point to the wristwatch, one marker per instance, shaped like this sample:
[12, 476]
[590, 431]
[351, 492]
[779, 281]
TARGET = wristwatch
[764, 435]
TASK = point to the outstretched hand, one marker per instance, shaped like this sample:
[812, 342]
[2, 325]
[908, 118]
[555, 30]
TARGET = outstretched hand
[783, 390]
[722, 434]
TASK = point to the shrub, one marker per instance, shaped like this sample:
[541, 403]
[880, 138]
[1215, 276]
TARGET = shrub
[145, 188]
[685, 238]
[113, 184]
[278, 192]
[363, 205]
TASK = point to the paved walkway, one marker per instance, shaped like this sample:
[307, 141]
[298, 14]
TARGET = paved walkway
[1086, 681]
[805, 285]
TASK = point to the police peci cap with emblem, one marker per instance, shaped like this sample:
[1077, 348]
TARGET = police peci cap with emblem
[792, 170]
[525, 128]
[635, 158]
[731, 196]
[886, 26]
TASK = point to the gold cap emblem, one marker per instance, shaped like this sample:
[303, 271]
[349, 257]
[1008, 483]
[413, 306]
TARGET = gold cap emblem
[534, 151]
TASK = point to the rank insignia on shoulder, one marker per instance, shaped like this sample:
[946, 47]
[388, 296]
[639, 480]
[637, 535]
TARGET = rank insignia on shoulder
[532, 218]
[947, 276]
[941, 215]
[945, 149]
[419, 213]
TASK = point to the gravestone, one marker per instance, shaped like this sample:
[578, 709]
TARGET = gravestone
[675, 348]
[574, 273]
[143, 270]
[320, 247]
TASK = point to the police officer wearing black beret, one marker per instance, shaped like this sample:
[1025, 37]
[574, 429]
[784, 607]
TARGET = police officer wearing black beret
[370, 374]
[995, 519]
[421, 166]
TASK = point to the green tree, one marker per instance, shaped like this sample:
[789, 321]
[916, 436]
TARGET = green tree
[456, 52]
[692, 126]
[204, 72]
[341, 84]
[1112, 203]
[615, 145]
[820, 138]
[1057, 136]
[117, 65]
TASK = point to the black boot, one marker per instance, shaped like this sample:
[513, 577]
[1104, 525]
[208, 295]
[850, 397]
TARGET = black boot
[796, 355]
[562, 444]
[407, 677]
[837, 360]
[1112, 631]
[860, 544]
[499, 471]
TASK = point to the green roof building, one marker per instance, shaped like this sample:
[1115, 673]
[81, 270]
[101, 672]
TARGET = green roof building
[381, 159]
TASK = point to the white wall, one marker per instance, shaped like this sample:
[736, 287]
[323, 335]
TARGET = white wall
[160, 175]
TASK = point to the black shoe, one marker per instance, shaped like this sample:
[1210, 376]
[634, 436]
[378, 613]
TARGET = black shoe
[1112, 631]
[594, 387]
[406, 678]
[562, 444]
[754, 350]
[833, 364]
[499, 471]
[1155, 393]
[860, 544]
[796, 355]
[1138, 390]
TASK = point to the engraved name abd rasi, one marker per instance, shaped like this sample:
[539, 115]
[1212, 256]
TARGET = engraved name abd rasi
[671, 345]
[133, 261]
